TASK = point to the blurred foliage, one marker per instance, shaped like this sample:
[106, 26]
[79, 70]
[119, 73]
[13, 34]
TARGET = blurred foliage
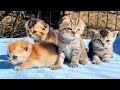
[100, 19]
[93, 19]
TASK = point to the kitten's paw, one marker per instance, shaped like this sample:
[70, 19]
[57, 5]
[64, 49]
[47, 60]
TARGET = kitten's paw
[105, 60]
[73, 65]
[111, 56]
[54, 67]
[97, 62]
[83, 62]
[18, 68]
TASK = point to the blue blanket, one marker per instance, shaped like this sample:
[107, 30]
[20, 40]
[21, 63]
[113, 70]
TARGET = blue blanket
[109, 70]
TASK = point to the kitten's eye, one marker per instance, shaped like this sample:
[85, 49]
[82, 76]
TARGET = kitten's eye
[34, 31]
[27, 30]
[43, 28]
[69, 28]
[7, 55]
[78, 29]
[14, 57]
[107, 40]
[98, 40]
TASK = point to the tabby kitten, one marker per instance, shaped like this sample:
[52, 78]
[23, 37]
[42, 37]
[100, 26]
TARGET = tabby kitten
[32, 55]
[71, 45]
[40, 31]
[101, 45]
[29, 24]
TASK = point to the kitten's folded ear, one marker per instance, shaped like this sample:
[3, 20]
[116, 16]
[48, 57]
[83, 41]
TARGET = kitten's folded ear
[26, 26]
[69, 12]
[92, 32]
[74, 16]
[32, 22]
[82, 24]
[46, 25]
[26, 48]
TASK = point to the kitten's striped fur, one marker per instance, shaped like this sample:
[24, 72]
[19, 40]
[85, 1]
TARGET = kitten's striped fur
[40, 31]
[101, 45]
[70, 43]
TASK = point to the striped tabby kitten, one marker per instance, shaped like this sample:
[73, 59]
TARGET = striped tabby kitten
[29, 24]
[40, 31]
[70, 43]
[101, 45]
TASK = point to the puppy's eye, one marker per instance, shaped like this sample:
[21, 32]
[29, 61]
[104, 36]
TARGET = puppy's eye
[7, 55]
[78, 29]
[98, 40]
[34, 31]
[107, 40]
[14, 57]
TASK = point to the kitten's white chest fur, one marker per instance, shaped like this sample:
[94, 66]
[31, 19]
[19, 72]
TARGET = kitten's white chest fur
[68, 52]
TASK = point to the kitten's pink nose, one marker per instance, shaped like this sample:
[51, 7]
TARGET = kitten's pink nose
[103, 44]
[30, 35]
[10, 59]
[74, 33]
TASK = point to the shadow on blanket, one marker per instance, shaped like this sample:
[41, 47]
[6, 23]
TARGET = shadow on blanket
[5, 64]
[3, 57]
[116, 46]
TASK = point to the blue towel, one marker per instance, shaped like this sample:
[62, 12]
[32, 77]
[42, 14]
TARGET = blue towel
[109, 70]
